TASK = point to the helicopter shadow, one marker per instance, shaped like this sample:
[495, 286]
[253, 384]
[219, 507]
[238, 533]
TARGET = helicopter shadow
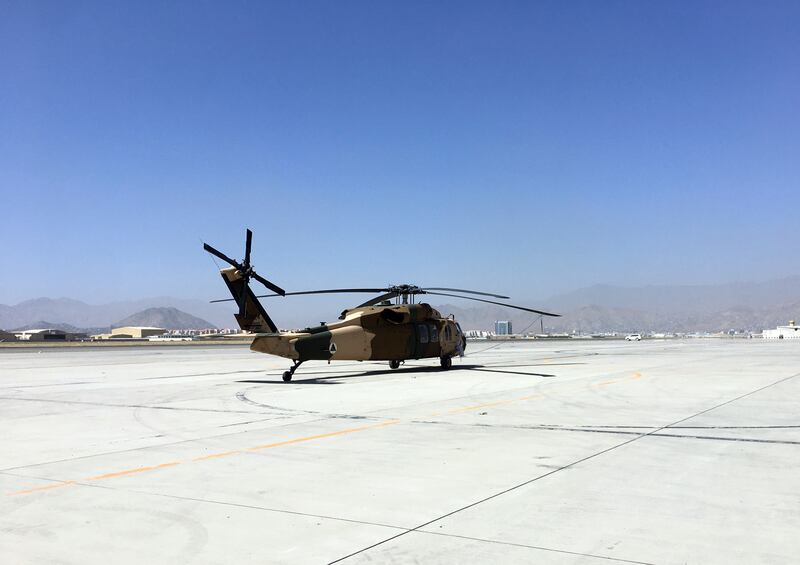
[327, 380]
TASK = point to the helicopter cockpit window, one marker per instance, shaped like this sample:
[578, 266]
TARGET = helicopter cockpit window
[423, 333]
[434, 333]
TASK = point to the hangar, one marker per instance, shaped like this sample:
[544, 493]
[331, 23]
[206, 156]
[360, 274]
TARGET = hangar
[7, 336]
[133, 332]
[41, 335]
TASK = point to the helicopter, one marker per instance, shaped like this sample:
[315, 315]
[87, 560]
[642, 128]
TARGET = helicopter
[391, 327]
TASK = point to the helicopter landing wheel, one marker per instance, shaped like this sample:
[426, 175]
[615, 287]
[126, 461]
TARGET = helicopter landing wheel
[287, 375]
[446, 362]
[394, 364]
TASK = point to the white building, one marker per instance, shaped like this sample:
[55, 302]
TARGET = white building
[45, 334]
[792, 331]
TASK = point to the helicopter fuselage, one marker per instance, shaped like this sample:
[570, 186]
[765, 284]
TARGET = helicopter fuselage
[376, 333]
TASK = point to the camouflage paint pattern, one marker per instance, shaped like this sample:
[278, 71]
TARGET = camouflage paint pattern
[375, 333]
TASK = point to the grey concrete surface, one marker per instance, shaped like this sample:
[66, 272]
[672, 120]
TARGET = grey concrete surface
[557, 452]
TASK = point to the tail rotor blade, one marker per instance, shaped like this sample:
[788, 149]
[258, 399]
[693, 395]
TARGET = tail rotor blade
[247, 246]
[273, 287]
[243, 301]
[221, 255]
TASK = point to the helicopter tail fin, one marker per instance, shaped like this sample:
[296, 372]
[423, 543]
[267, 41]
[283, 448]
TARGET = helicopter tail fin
[251, 316]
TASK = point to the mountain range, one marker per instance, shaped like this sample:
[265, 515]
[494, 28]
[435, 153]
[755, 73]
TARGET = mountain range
[82, 315]
[598, 308]
[167, 318]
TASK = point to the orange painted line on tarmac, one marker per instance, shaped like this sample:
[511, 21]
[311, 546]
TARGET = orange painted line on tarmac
[45, 487]
[216, 455]
[203, 458]
[132, 471]
[321, 436]
[607, 383]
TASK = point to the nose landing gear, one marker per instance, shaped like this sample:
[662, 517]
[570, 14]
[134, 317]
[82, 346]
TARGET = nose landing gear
[446, 362]
[394, 364]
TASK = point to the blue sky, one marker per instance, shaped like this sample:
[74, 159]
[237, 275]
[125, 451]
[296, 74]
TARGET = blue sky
[526, 148]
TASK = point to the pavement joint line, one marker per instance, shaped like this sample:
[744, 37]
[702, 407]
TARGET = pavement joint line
[541, 548]
[137, 470]
[126, 472]
[158, 445]
[241, 505]
[257, 448]
[84, 402]
[599, 430]
[554, 471]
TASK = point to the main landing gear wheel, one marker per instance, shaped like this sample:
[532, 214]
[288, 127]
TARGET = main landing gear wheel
[446, 362]
[394, 364]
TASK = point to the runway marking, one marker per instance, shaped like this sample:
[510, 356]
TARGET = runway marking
[321, 436]
[127, 472]
[46, 487]
[216, 455]
[132, 471]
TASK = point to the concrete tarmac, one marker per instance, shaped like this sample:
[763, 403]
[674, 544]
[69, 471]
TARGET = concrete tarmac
[534, 452]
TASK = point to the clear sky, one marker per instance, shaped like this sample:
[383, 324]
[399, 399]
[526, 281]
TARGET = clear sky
[519, 147]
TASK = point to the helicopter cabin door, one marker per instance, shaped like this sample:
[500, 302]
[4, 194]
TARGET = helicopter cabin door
[426, 342]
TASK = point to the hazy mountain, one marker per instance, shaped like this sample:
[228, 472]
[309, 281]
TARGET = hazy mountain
[69, 328]
[746, 306]
[685, 299]
[595, 318]
[167, 318]
[82, 315]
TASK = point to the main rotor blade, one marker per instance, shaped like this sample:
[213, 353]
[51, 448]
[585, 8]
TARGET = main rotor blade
[498, 303]
[467, 291]
[273, 287]
[326, 291]
[248, 244]
[378, 299]
[221, 255]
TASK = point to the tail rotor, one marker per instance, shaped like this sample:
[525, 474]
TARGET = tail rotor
[245, 271]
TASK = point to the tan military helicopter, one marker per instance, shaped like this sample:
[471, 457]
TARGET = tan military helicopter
[390, 327]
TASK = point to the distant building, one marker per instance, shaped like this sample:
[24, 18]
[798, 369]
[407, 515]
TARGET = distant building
[503, 327]
[792, 331]
[131, 332]
[7, 336]
[41, 335]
